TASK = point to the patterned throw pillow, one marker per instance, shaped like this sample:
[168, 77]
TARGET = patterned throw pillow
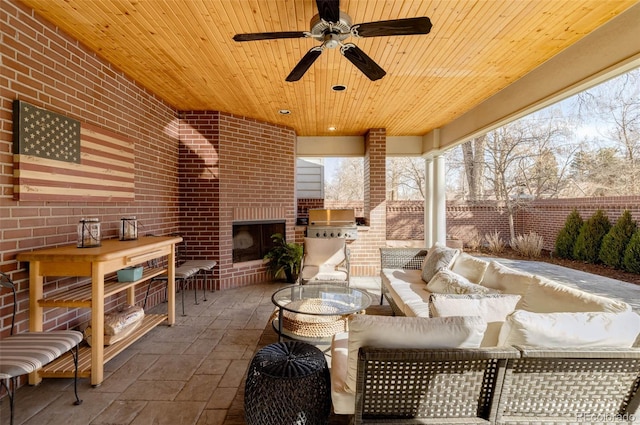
[439, 257]
[447, 282]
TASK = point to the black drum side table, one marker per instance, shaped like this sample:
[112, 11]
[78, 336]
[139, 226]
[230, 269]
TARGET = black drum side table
[288, 383]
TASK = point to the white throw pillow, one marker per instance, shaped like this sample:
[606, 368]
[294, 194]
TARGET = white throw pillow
[321, 251]
[409, 332]
[506, 280]
[561, 330]
[439, 257]
[493, 308]
[447, 282]
[470, 267]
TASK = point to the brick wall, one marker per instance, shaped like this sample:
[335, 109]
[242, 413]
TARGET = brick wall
[44, 67]
[545, 217]
[224, 177]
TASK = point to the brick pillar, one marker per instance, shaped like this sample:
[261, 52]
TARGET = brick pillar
[365, 253]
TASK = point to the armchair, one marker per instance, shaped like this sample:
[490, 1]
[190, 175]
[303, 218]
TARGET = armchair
[325, 260]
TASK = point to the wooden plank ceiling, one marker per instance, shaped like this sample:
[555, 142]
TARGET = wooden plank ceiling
[184, 53]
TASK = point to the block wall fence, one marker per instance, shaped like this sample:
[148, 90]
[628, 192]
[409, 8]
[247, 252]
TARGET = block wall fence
[405, 219]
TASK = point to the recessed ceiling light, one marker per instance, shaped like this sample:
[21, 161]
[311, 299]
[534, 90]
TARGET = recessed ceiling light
[338, 87]
[284, 112]
[331, 128]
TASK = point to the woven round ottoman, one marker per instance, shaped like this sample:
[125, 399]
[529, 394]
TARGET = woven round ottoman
[288, 383]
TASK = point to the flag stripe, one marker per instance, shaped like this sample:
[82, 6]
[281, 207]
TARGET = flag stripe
[106, 171]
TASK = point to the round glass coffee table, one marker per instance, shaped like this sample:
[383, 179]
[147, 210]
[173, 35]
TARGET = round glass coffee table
[316, 311]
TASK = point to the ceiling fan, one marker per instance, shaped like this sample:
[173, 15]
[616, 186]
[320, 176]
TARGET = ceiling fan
[331, 27]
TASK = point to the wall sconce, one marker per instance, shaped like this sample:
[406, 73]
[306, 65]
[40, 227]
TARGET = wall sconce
[128, 229]
[89, 233]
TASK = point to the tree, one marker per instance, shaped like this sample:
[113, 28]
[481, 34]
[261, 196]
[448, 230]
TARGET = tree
[566, 239]
[474, 163]
[615, 105]
[589, 241]
[348, 182]
[405, 178]
[615, 241]
[631, 261]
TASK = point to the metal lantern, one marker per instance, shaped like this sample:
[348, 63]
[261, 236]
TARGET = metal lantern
[128, 229]
[89, 233]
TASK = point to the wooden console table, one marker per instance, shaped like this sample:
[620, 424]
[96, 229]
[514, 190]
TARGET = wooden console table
[96, 262]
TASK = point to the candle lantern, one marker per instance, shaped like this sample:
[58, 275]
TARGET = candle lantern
[128, 229]
[89, 233]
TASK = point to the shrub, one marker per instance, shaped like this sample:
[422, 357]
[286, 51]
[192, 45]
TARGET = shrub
[495, 242]
[631, 260]
[475, 240]
[567, 236]
[529, 245]
[615, 241]
[589, 240]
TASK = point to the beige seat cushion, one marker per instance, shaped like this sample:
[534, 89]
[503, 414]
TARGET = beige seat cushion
[409, 332]
[493, 308]
[319, 251]
[547, 296]
[562, 330]
[506, 280]
[323, 273]
[344, 401]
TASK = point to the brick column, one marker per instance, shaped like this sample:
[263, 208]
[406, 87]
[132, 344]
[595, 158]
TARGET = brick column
[365, 253]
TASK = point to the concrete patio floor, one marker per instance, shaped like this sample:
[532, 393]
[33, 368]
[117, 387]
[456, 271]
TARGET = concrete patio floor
[193, 373]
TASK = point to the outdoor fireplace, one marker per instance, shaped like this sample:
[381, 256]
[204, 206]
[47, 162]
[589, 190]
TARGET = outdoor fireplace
[252, 239]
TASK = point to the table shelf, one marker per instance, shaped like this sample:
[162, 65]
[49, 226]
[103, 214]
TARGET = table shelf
[80, 297]
[63, 366]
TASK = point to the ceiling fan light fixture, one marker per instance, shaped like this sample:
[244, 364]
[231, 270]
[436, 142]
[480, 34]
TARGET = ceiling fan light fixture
[332, 128]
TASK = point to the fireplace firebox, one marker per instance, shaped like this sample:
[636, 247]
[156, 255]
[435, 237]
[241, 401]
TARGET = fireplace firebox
[252, 239]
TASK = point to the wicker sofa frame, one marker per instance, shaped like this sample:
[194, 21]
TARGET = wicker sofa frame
[399, 258]
[503, 385]
[536, 386]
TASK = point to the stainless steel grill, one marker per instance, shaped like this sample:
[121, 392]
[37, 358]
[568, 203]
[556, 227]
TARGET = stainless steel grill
[332, 223]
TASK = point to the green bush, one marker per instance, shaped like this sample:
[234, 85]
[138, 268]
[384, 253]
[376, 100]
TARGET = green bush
[631, 261]
[615, 242]
[567, 236]
[589, 240]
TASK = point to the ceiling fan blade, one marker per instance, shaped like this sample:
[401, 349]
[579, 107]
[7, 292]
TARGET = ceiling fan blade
[409, 26]
[363, 62]
[329, 10]
[304, 64]
[269, 35]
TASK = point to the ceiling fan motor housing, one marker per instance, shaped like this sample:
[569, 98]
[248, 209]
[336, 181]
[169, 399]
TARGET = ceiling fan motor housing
[331, 33]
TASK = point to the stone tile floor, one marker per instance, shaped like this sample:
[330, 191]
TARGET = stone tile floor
[193, 373]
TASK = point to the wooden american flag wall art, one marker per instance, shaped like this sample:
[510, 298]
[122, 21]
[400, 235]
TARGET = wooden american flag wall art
[56, 158]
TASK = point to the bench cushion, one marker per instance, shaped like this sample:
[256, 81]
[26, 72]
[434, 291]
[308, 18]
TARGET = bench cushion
[409, 332]
[547, 296]
[407, 290]
[493, 308]
[27, 352]
[562, 330]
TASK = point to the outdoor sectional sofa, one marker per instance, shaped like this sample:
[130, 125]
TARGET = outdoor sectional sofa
[520, 350]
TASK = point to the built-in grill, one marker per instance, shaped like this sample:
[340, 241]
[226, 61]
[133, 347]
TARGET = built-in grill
[332, 223]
